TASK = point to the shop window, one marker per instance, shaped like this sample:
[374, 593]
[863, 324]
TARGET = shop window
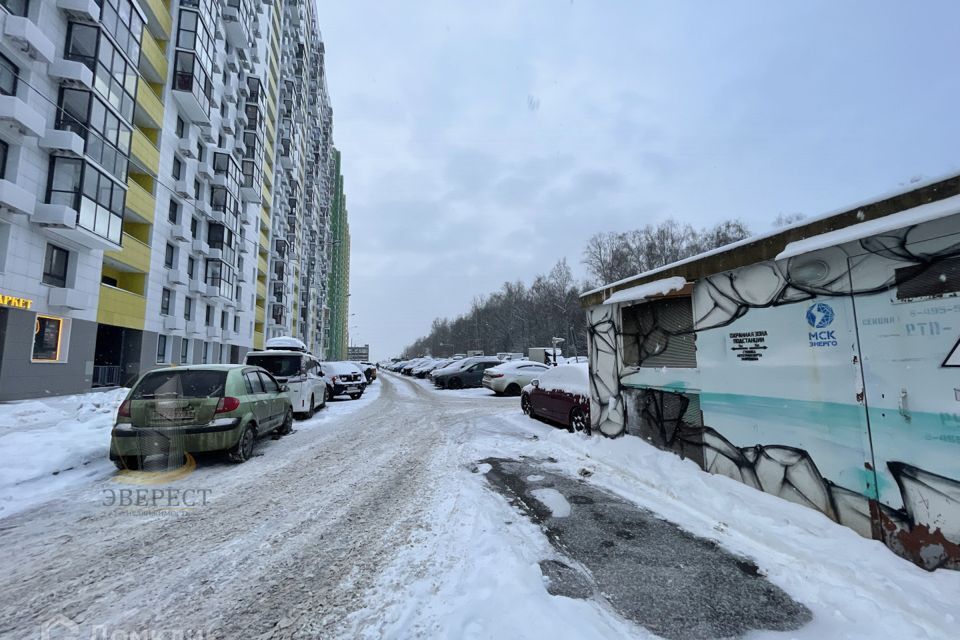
[659, 333]
[161, 349]
[55, 265]
[47, 339]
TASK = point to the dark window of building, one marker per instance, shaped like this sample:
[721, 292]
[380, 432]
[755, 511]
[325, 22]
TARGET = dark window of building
[55, 266]
[107, 280]
[9, 73]
[168, 256]
[46, 340]
[106, 138]
[209, 318]
[191, 267]
[184, 350]
[161, 348]
[16, 7]
[236, 324]
[174, 213]
[196, 189]
[114, 75]
[180, 127]
[223, 320]
[177, 168]
[165, 302]
[4, 150]
[925, 280]
[188, 308]
[659, 333]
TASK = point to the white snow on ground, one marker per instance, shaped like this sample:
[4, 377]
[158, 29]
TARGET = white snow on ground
[473, 571]
[51, 444]
[553, 500]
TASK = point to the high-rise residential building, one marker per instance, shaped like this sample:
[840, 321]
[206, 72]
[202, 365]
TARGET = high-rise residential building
[165, 186]
[339, 271]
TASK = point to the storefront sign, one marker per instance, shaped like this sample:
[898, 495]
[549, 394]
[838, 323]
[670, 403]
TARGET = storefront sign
[13, 301]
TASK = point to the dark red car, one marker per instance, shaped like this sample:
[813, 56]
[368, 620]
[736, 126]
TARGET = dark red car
[560, 394]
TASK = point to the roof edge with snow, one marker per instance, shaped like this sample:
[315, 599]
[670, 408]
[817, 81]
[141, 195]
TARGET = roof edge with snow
[771, 245]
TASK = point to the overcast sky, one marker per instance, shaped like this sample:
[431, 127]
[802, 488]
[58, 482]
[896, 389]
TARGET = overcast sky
[482, 142]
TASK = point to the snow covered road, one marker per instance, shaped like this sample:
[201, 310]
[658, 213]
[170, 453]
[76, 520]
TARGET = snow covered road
[375, 519]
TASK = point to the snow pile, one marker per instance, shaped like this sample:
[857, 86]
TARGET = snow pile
[553, 500]
[51, 443]
[647, 290]
[569, 378]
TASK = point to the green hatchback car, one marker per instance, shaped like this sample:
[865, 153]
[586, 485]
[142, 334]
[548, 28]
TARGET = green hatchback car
[192, 409]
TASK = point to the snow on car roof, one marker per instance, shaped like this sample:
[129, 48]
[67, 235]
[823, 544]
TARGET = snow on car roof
[571, 378]
[513, 365]
[286, 342]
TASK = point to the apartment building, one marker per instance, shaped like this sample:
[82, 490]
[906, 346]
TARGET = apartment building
[143, 192]
[338, 334]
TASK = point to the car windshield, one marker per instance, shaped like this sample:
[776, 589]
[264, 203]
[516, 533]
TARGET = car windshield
[181, 384]
[280, 366]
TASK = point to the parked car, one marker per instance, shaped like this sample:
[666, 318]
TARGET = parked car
[511, 377]
[300, 372]
[199, 408]
[466, 377]
[343, 379]
[560, 394]
[413, 364]
[370, 370]
[426, 370]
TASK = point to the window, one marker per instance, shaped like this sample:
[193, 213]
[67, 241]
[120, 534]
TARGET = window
[184, 350]
[209, 317]
[252, 381]
[206, 353]
[4, 150]
[161, 348]
[223, 320]
[200, 151]
[9, 73]
[46, 340]
[55, 266]
[188, 308]
[236, 324]
[191, 267]
[168, 256]
[165, 302]
[177, 168]
[115, 76]
[16, 7]
[194, 225]
[180, 127]
[106, 137]
[196, 189]
[269, 384]
[173, 214]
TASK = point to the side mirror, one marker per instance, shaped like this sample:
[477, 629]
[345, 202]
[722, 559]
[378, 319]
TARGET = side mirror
[284, 388]
[536, 383]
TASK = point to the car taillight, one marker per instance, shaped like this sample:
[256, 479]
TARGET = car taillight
[495, 375]
[124, 410]
[228, 404]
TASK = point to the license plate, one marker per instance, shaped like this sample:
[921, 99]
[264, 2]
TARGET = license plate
[352, 387]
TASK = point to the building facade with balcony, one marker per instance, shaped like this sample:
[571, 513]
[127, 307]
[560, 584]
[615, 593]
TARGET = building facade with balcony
[338, 287]
[142, 204]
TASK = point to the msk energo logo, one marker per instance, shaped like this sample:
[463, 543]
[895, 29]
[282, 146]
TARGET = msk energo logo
[820, 315]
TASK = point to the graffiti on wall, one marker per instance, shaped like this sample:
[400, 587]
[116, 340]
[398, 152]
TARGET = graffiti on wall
[919, 530]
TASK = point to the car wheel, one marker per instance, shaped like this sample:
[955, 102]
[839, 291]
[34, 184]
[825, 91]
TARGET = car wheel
[355, 396]
[243, 450]
[579, 421]
[513, 389]
[526, 406]
[326, 396]
[312, 410]
[286, 427]
[455, 383]
[128, 463]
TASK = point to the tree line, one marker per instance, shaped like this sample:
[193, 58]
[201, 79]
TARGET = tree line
[518, 317]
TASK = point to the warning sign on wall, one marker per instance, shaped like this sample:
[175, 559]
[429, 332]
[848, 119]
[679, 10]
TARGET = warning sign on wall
[748, 345]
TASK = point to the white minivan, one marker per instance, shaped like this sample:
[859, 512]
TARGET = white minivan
[298, 370]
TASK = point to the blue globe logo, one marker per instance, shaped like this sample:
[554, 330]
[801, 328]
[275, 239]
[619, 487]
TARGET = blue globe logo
[820, 315]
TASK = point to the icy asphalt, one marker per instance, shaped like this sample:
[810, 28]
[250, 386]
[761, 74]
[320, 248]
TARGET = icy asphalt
[379, 518]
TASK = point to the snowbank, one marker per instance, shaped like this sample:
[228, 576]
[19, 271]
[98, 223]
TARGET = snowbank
[52, 443]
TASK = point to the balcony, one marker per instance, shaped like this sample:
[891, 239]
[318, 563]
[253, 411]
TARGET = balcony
[21, 117]
[158, 17]
[177, 276]
[121, 308]
[180, 231]
[66, 143]
[61, 220]
[145, 153]
[134, 256]
[140, 203]
[86, 10]
[174, 323]
[29, 38]
[153, 61]
[198, 286]
[149, 112]
[71, 73]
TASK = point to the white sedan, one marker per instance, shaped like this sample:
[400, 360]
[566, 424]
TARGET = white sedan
[510, 377]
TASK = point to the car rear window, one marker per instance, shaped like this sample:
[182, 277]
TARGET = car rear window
[282, 366]
[181, 384]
